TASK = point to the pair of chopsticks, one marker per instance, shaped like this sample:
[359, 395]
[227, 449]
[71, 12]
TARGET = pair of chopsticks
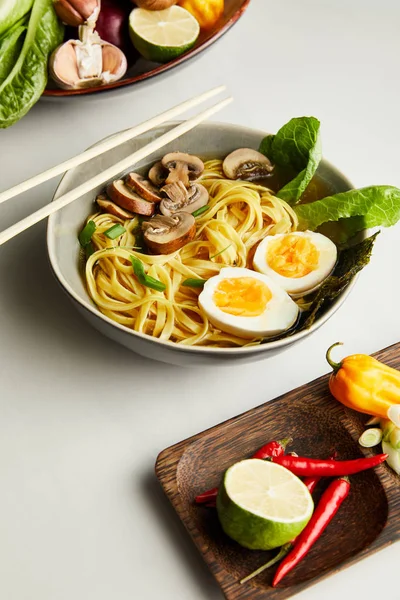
[115, 169]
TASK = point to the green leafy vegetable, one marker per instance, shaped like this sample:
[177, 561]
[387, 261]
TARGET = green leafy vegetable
[86, 234]
[350, 262]
[12, 11]
[193, 282]
[296, 146]
[200, 210]
[10, 48]
[372, 206]
[115, 231]
[144, 279]
[27, 80]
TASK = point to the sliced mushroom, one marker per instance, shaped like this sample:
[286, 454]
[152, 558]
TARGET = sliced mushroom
[121, 195]
[158, 174]
[88, 62]
[143, 187]
[187, 200]
[108, 206]
[164, 235]
[246, 163]
[182, 167]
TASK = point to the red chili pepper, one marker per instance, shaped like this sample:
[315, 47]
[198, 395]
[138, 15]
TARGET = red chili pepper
[270, 450]
[328, 506]
[310, 467]
[311, 482]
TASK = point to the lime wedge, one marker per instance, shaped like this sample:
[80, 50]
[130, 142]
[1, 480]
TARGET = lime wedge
[262, 505]
[162, 35]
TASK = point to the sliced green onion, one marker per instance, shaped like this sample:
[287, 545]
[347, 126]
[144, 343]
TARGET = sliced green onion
[201, 210]
[220, 252]
[115, 231]
[89, 249]
[194, 282]
[371, 437]
[86, 234]
[144, 279]
[154, 284]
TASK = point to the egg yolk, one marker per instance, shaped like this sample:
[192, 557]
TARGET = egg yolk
[242, 296]
[292, 256]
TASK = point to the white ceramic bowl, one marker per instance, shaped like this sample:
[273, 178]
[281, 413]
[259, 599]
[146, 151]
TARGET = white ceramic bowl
[207, 140]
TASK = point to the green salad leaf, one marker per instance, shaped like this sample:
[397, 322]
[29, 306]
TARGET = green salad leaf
[11, 11]
[297, 147]
[376, 206]
[25, 83]
[10, 48]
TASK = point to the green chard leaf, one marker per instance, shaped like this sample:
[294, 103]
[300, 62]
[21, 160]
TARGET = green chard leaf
[25, 83]
[376, 206]
[296, 146]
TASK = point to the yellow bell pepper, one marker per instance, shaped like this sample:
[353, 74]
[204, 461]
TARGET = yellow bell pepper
[207, 12]
[364, 384]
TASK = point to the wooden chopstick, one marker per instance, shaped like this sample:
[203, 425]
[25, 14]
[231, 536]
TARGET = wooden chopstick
[117, 140]
[111, 172]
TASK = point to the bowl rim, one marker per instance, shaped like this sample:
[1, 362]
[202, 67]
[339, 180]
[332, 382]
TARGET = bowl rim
[242, 350]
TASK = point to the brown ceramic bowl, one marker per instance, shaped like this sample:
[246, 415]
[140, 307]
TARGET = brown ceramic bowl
[140, 69]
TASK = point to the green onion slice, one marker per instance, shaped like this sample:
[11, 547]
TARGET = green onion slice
[371, 437]
[221, 251]
[201, 210]
[86, 234]
[144, 279]
[194, 282]
[115, 231]
[89, 249]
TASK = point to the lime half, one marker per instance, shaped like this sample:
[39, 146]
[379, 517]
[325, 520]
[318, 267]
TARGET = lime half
[262, 505]
[162, 35]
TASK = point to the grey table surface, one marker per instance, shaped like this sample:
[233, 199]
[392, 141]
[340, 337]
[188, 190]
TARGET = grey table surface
[82, 419]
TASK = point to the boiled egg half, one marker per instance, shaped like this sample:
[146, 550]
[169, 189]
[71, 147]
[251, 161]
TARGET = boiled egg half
[247, 304]
[298, 261]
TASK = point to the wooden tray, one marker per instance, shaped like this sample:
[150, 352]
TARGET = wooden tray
[368, 520]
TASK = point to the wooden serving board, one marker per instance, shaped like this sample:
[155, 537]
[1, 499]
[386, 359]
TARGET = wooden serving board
[368, 520]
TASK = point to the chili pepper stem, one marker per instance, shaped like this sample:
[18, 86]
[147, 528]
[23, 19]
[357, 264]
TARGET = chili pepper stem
[285, 442]
[335, 365]
[281, 554]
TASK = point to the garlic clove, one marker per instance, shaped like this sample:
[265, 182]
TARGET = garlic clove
[77, 12]
[75, 65]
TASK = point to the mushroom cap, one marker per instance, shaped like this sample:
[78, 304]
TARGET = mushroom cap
[158, 174]
[164, 235]
[195, 197]
[182, 167]
[64, 68]
[246, 163]
[143, 187]
[121, 195]
[109, 206]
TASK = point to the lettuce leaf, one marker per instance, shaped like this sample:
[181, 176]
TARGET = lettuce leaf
[25, 83]
[376, 206]
[296, 147]
[10, 48]
[11, 11]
